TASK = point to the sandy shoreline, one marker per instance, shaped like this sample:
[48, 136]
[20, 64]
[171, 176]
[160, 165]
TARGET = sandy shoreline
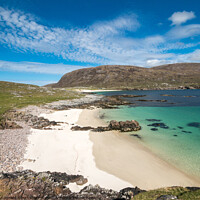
[129, 160]
[64, 150]
[109, 159]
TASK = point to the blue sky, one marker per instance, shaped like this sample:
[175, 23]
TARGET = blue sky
[40, 40]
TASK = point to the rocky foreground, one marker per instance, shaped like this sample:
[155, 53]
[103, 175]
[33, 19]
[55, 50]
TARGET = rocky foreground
[54, 185]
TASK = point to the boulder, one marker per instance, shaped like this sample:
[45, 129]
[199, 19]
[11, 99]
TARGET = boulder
[124, 126]
[129, 193]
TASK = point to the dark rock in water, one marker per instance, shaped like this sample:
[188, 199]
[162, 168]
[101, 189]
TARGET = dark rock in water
[154, 129]
[150, 100]
[194, 124]
[167, 197]
[175, 135]
[102, 116]
[78, 128]
[129, 193]
[153, 120]
[128, 96]
[186, 131]
[180, 127]
[161, 125]
[137, 136]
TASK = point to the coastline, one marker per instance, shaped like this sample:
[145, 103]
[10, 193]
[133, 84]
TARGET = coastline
[64, 150]
[112, 150]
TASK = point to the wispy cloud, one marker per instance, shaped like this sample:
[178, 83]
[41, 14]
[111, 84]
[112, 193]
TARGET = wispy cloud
[37, 67]
[104, 42]
[33, 82]
[181, 32]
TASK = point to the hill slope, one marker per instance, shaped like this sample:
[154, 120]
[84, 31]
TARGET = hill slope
[16, 95]
[118, 76]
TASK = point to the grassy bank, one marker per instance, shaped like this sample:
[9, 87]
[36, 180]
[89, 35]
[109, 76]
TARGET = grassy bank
[16, 95]
[180, 192]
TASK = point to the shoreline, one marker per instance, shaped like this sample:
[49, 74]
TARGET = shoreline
[64, 150]
[112, 150]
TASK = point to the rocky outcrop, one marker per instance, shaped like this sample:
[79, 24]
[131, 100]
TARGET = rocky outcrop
[123, 126]
[98, 101]
[10, 119]
[6, 124]
[78, 128]
[54, 185]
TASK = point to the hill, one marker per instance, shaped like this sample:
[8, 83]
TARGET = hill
[16, 95]
[122, 76]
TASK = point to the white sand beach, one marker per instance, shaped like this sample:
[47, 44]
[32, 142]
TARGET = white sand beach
[108, 159]
[126, 158]
[63, 150]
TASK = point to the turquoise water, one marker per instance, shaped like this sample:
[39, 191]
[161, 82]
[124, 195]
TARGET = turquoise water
[179, 143]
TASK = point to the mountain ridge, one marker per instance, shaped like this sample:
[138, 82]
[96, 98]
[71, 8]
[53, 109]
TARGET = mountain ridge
[179, 75]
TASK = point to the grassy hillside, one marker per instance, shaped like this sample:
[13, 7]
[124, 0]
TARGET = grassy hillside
[15, 95]
[117, 76]
[180, 192]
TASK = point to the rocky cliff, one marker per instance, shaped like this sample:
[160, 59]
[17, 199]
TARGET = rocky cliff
[180, 75]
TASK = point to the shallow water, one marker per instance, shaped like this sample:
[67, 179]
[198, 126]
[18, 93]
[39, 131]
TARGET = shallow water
[177, 138]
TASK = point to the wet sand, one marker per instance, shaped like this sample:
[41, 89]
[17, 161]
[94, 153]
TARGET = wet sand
[127, 159]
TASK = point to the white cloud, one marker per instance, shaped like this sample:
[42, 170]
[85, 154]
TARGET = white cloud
[194, 56]
[156, 62]
[37, 67]
[178, 18]
[33, 82]
[181, 32]
[103, 42]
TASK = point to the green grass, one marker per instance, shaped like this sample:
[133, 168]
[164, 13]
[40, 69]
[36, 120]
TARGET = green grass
[15, 95]
[180, 192]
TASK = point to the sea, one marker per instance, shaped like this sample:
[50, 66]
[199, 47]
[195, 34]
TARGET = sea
[170, 121]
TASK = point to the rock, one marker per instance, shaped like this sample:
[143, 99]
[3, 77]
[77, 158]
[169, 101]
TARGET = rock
[5, 124]
[44, 185]
[114, 125]
[194, 124]
[78, 128]
[154, 129]
[129, 192]
[161, 125]
[128, 96]
[137, 136]
[166, 197]
[153, 120]
[124, 126]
